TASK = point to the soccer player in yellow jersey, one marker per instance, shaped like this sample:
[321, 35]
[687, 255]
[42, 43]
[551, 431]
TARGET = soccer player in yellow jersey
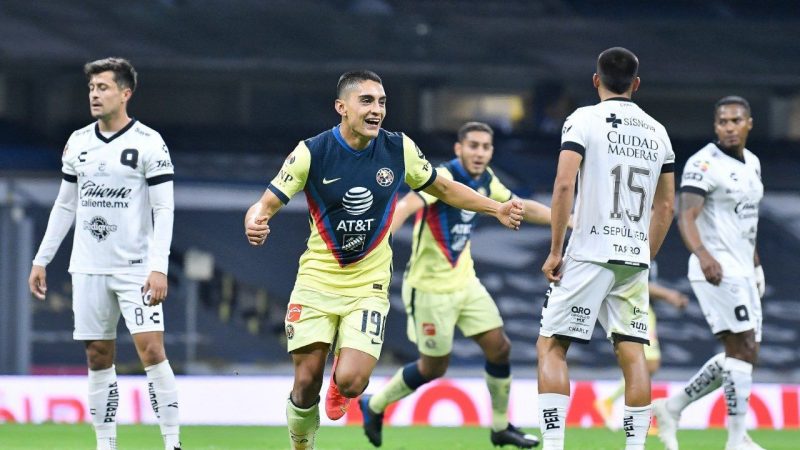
[351, 175]
[441, 290]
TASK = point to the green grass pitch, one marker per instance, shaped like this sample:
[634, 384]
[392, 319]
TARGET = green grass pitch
[140, 437]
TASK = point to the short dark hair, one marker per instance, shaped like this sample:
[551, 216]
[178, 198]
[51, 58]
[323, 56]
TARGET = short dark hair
[473, 126]
[124, 73]
[732, 100]
[617, 67]
[350, 79]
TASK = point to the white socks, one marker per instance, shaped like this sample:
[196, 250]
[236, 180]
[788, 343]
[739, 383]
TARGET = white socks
[103, 404]
[737, 383]
[636, 422]
[706, 380]
[164, 400]
[552, 420]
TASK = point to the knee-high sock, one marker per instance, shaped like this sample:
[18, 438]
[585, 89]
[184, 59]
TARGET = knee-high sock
[498, 381]
[103, 404]
[552, 420]
[636, 422]
[303, 424]
[706, 380]
[164, 400]
[737, 380]
[403, 383]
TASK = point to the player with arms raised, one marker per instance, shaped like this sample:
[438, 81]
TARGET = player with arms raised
[117, 189]
[624, 161]
[351, 175]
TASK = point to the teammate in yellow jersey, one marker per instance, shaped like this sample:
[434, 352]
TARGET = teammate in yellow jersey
[441, 290]
[351, 175]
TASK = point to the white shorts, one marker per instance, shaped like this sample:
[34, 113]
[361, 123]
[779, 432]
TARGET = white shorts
[733, 306]
[97, 301]
[616, 295]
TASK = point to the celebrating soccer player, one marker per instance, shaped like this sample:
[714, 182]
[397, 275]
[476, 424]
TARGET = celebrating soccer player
[441, 291]
[117, 189]
[624, 161]
[718, 219]
[351, 175]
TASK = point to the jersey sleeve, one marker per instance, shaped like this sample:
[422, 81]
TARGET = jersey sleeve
[156, 162]
[429, 199]
[419, 172]
[67, 164]
[668, 166]
[573, 135]
[292, 177]
[697, 177]
[497, 190]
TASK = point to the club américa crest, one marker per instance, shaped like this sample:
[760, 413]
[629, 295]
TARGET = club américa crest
[385, 177]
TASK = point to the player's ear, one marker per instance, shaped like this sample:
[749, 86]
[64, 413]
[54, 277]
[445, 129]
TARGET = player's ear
[339, 106]
[596, 81]
[635, 85]
[457, 148]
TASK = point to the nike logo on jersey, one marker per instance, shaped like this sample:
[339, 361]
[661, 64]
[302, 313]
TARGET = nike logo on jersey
[327, 181]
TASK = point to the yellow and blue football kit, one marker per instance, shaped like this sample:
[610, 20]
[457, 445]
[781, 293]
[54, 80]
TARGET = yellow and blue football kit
[440, 289]
[345, 271]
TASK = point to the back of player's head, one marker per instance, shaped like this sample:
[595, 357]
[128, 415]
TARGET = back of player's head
[617, 68]
[349, 80]
[473, 126]
[124, 73]
[732, 100]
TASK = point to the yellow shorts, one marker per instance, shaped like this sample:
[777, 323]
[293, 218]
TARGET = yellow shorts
[432, 317]
[652, 351]
[355, 322]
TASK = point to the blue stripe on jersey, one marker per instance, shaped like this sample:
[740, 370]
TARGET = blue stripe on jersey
[358, 153]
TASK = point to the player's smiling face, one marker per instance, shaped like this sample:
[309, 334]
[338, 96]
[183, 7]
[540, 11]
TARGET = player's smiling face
[475, 151]
[106, 97]
[732, 124]
[363, 109]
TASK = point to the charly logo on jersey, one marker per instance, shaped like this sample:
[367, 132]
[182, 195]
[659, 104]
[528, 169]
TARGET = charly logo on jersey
[99, 228]
[384, 177]
[357, 201]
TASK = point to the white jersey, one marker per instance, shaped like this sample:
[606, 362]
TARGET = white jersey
[728, 223]
[624, 153]
[114, 221]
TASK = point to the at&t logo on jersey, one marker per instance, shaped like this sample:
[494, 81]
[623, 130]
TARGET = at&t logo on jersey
[385, 177]
[99, 228]
[357, 201]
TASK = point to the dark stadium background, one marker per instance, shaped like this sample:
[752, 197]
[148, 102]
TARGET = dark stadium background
[233, 85]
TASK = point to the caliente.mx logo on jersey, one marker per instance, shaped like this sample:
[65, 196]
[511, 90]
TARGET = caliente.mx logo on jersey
[99, 227]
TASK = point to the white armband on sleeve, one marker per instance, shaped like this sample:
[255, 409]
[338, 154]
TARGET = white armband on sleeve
[163, 204]
[61, 218]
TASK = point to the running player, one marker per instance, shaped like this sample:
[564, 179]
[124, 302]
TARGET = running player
[117, 189]
[351, 175]
[441, 290]
[625, 163]
[720, 192]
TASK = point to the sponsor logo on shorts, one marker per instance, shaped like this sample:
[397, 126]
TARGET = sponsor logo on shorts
[430, 343]
[293, 312]
[289, 331]
[428, 329]
[377, 286]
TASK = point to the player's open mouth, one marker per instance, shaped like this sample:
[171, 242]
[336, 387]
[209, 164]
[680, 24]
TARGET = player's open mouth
[373, 122]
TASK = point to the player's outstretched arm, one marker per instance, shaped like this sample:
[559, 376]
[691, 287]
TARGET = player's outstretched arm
[535, 212]
[690, 206]
[61, 219]
[675, 298]
[563, 193]
[407, 206]
[256, 228]
[663, 211]
[462, 197]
